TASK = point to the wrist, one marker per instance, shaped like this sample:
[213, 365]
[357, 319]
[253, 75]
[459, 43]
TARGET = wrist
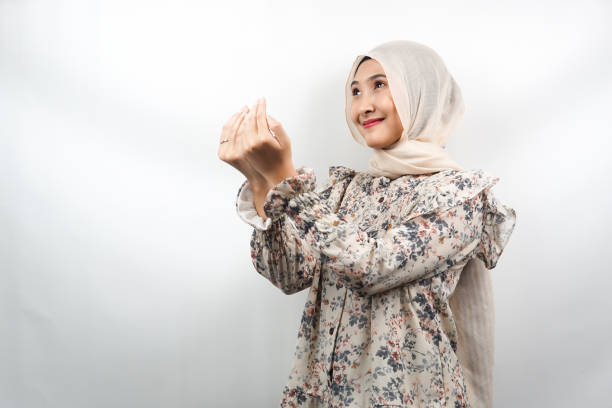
[282, 175]
[259, 184]
[260, 192]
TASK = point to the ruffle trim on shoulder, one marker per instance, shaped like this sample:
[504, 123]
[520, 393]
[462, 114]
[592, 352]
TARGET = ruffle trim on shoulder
[445, 190]
[499, 223]
[280, 195]
[450, 188]
[336, 174]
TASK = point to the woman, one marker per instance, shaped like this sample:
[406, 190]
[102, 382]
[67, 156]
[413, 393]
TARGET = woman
[382, 251]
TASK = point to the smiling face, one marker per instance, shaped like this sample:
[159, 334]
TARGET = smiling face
[371, 99]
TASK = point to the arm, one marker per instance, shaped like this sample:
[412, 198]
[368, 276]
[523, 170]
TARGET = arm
[419, 247]
[277, 250]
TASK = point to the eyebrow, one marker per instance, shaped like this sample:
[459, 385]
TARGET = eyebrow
[370, 78]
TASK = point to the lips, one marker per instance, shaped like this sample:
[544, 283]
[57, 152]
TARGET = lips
[372, 122]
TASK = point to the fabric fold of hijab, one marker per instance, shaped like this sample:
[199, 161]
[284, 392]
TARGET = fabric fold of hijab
[429, 104]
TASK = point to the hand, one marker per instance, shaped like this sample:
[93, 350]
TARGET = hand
[230, 152]
[265, 145]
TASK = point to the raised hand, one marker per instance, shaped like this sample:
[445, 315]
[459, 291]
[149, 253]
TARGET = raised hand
[264, 144]
[231, 151]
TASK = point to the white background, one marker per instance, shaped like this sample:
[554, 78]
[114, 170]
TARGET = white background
[125, 272]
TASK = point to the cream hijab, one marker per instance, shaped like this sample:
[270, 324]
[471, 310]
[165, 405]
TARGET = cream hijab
[429, 104]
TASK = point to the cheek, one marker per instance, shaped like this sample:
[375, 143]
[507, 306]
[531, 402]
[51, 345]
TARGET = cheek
[398, 122]
[388, 101]
[353, 114]
[398, 128]
[392, 113]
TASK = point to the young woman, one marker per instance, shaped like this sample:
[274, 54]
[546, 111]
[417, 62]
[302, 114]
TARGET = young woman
[381, 251]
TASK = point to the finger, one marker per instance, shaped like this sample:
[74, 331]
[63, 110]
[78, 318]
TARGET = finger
[256, 115]
[243, 111]
[235, 135]
[243, 132]
[240, 119]
[229, 124]
[271, 120]
[234, 118]
[251, 124]
[274, 125]
[262, 124]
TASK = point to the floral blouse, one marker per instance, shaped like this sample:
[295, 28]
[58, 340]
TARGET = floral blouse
[381, 258]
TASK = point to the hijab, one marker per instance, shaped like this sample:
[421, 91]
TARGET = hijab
[428, 102]
[430, 106]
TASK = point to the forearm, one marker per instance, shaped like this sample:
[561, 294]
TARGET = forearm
[277, 251]
[261, 187]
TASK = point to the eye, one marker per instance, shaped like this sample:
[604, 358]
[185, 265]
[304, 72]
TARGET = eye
[375, 85]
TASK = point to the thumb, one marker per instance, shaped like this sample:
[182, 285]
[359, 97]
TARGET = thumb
[272, 122]
[278, 130]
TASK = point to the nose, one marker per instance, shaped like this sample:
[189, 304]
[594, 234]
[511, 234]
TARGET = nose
[365, 106]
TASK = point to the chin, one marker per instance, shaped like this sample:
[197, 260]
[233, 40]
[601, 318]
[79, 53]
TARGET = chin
[378, 145]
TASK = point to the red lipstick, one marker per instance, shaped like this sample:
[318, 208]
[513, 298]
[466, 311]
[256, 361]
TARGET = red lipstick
[372, 122]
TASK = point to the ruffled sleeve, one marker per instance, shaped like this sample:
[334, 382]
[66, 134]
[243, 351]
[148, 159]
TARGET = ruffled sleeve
[499, 223]
[245, 208]
[331, 193]
[450, 188]
[278, 252]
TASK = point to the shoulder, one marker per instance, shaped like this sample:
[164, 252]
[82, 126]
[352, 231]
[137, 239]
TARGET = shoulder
[337, 173]
[458, 182]
[340, 172]
[446, 189]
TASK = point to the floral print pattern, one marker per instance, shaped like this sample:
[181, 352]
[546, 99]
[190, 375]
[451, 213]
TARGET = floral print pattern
[381, 258]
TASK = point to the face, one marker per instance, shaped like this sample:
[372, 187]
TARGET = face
[371, 99]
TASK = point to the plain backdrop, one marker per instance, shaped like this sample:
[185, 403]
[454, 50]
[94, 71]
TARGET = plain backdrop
[125, 272]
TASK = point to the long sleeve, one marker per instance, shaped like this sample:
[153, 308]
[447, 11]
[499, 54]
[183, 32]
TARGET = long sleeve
[435, 237]
[278, 252]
